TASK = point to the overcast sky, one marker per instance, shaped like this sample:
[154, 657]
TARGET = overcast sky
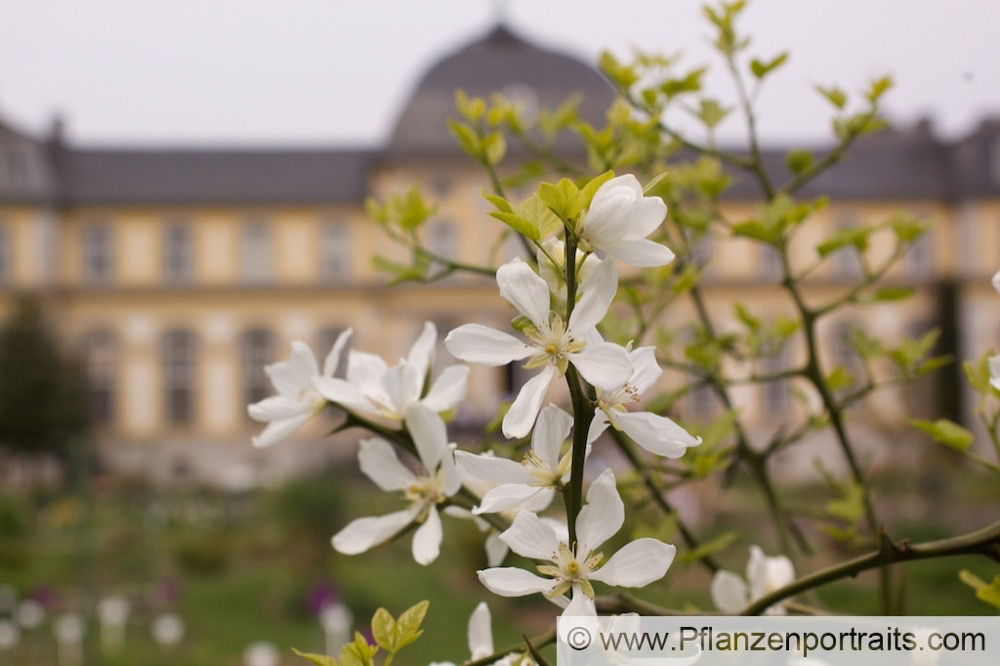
[329, 72]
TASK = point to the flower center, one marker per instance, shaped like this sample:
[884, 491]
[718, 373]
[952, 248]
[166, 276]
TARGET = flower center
[542, 473]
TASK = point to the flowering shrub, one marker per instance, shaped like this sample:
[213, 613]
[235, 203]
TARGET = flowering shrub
[606, 260]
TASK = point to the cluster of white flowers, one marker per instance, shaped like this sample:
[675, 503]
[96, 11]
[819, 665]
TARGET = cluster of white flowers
[401, 403]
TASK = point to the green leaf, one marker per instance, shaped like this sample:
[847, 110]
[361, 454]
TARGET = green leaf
[494, 147]
[690, 83]
[988, 592]
[621, 75]
[799, 161]
[384, 630]
[564, 198]
[878, 88]
[744, 315]
[500, 203]
[946, 432]
[886, 294]
[318, 659]
[544, 221]
[834, 95]
[519, 224]
[852, 236]
[759, 231]
[839, 378]
[760, 69]
[408, 625]
[850, 505]
[358, 653]
[711, 113]
[590, 189]
[710, 547]
[466, 137]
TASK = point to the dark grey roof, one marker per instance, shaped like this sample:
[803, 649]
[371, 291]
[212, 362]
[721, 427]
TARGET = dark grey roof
[891, 164]
[500, 61]
[92, 176]
[26, 174]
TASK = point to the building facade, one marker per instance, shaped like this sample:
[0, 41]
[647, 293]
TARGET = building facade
[178, 274]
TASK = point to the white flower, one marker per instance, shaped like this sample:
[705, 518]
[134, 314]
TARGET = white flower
[764, 575]
[995, 371]
[996, 280]
[297, 400]
[374, 389]
[618, 221]
[554, 274]
[542, 470]
[657, 434]
[572, 569]
[480, 636]
[432, 484]
[552, 344]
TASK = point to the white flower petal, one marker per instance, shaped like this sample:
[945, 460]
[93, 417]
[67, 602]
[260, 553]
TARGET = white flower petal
[332, 361]
[278, 430]
[648, 213]
[639, 252]
[597, 294]
[278, 407]
[657, 434]
[531, 537]
[765, 574]
[513, 582]
[611, 209]
[521, 416]
[551, 431]
[483, 345]
[343, 393]
[580, 606]
[729, 593]
[480, 632]
[637, 564]
[526, 291]
[379, 463]
[428, 433]
[427, 540]
[994, 362]
[602, 516]
[451, 480]
[363, 533]
[506, 496]
[492, 468]
[421, 355]
[449, 389]
[401, 385]
[645, 369]
[996, 280]
[496, 550]
[605, 365]
[598, 425]
[365, 371]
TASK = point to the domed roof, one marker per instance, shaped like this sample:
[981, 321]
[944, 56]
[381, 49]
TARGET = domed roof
[502, 62]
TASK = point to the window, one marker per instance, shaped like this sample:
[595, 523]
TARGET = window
[846, 261]
[920, 255]
[100, 358]
[98, 258]
[256, 251]
[178, 250]
[179, 366]
[324, 343]
[775, 395]
[6, 256]
[258, 350]
[770, 262]
[335, 251]
[442, 239]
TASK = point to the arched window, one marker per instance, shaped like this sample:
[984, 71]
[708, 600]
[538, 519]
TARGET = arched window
[179, 376]
[100, 358]
[257, 348]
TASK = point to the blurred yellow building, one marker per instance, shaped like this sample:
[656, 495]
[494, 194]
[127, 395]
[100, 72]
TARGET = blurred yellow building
[178, 274]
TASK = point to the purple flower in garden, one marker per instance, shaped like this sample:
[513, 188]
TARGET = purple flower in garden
[321, 595]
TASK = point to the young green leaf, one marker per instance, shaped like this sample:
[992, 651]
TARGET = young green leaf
[760, 68]
[946, 432]
[318, 659]
[834, 95]
[384, 630]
